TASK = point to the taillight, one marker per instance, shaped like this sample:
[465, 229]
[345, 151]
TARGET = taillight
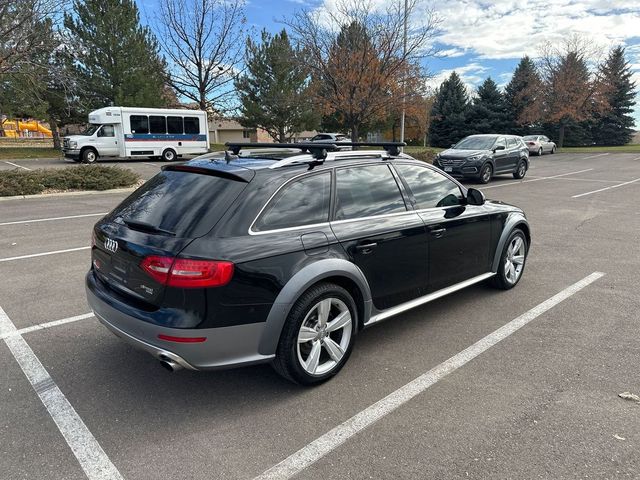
[187, 272]
[530, 143]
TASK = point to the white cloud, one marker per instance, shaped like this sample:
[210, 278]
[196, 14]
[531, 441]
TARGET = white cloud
[471, 75]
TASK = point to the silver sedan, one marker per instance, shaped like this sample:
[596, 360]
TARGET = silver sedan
[539, 144]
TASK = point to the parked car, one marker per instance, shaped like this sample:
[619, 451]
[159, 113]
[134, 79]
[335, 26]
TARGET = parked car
[539, 144]
[332, 138]
[480, 157]
[285, 256]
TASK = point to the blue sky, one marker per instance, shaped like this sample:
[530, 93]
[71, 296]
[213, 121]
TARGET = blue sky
[484, 38]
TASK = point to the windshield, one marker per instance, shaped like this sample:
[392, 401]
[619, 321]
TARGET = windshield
[475, 143]
[90, 130]
[530, 137]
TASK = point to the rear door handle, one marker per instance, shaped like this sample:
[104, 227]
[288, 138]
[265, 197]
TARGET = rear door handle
[438, 232]
[366, 247]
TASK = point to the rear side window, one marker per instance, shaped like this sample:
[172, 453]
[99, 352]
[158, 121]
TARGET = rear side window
[185, 203]
[512, 142]
[139, 124]
[430, 189]
[367, 191]
[301, 202]
[191, 125]
[174, 125]
[158, 124]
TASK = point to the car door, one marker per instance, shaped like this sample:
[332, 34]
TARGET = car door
[501, 155]
[513, 149]
[384, 238]
[107, 142]
[546, 144]
[459, 234]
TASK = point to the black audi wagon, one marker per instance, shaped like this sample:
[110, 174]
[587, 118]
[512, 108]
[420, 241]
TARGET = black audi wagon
[283, 253]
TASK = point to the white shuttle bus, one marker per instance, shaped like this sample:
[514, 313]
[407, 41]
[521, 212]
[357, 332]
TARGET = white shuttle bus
[129, 132]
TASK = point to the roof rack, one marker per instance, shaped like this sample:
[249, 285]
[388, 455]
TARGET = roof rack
[318, 150]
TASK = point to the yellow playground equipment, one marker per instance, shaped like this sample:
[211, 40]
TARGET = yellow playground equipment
[18, 129]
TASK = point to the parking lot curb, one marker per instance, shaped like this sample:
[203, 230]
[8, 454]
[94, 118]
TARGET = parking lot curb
[62, 194]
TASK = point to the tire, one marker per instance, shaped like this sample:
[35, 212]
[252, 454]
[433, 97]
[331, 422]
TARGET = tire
[485, 173]
[553, 150]
[169, 155]
[521, 170]
[540, 152]
[89, 155]
[506, 278]
[295, 356]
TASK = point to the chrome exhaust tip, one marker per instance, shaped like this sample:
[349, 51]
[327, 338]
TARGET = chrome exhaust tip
[169, 364]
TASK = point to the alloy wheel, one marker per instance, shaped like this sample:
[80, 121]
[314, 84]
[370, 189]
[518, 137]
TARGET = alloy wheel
[324, 336]
[514, 260]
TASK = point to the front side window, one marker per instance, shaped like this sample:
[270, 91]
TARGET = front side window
[158, 124]
[301, 202]
[500, 142]
[139, 124]
[174, 125]
[430, 189]
[191, 125]
[106, 131]
[366, 192]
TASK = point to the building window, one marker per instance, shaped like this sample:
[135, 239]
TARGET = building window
[246, 134]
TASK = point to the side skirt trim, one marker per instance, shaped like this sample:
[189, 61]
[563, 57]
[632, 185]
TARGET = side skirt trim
[403, 307]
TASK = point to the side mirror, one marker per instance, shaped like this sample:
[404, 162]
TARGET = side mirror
[499, 147]
[475, 197]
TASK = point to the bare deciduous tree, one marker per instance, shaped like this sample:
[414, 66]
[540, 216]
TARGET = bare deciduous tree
[359, 59]
[204, 43]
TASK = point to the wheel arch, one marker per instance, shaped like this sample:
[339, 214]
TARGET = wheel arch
[88, 147]
[339, 271]
[514, 220]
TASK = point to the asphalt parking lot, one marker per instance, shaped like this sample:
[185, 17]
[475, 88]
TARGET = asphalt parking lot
[540, 401]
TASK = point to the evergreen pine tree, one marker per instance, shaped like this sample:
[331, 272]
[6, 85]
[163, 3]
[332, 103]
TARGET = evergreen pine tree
[117, 58]
[615, 126]
[488, 111]
[523, 97]
[449, 112]
[273, 93]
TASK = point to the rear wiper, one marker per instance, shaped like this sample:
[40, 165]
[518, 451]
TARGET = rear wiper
[146, 227]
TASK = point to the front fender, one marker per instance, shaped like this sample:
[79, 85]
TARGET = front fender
[514, 220]
[298, 284]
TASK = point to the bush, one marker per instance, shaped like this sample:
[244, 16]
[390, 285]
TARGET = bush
[82, 177]
[425, 154]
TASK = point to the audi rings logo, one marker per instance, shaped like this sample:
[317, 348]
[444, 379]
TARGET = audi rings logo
[111, 245]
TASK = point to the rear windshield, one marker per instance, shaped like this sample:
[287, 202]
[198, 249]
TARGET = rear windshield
[185, 204]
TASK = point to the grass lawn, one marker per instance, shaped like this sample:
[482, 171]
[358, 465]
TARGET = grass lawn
[17, 153]
[631, 148]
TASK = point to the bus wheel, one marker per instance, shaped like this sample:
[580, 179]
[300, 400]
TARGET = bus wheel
[89, 156]
[168, 155]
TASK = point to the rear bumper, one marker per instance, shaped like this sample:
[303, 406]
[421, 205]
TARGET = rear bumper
[224, 347]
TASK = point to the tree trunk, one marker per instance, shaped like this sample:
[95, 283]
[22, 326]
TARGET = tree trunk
[561, 135]
[354, 132]
[55, 133]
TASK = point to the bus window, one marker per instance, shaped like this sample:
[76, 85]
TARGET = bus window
[191, 125]
[158, 124]
[139, 124]
[174, 125]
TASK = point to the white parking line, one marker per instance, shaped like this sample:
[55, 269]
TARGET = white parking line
[149, 163]
[92, 458]
[606, 188]
[537, 179]
[35, 220]
[21, 257]
[19, 166]
[323, 445]
[594, 156]
[44, 326]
